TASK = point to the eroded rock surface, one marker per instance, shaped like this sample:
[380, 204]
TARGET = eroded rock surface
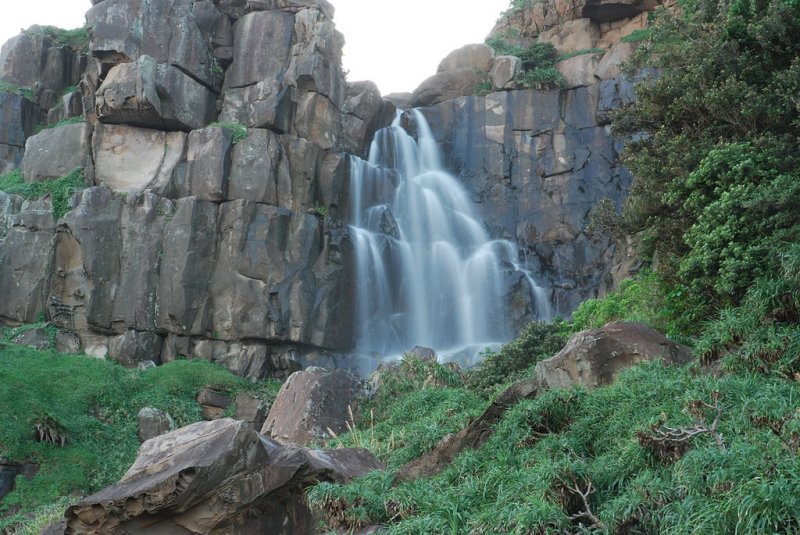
[311, 404]
[213, 478]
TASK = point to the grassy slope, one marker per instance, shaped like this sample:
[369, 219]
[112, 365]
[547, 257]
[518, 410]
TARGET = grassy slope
[95, 404]
[518, 482]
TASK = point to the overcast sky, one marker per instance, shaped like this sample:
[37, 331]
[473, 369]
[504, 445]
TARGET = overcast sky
[395, 43]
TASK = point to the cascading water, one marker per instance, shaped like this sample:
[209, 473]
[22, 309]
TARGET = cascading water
[428, 273]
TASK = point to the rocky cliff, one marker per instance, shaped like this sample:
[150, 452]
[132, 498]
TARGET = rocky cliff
[216, 141]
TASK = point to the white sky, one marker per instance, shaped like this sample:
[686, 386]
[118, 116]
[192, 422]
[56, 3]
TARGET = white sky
[395, 43]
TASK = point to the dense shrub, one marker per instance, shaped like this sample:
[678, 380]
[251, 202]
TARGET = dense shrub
[537, 341]
[538, 63]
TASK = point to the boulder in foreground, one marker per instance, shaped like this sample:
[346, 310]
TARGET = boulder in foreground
[212, 478]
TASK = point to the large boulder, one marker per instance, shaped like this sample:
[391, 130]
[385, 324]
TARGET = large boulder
[596, 357]
[478, 57]
[311, 404]
[216, 477]
[446, 85]
[55, 152]
[151, 95]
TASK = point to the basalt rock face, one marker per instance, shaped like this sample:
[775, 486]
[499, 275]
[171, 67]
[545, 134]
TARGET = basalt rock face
[536, 163]
[194, 239]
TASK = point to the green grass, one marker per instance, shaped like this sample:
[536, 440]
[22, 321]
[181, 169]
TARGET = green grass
[60, 190]
[582, 52]
[237, 131]
[7, 87]
[94, 404]
[518, 481]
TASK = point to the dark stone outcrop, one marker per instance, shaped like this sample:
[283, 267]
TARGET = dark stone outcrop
[215, 477]
[18, 119]
[537, 162]
[313, 403]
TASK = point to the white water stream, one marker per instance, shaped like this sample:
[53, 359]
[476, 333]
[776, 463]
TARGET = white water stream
[428, 273]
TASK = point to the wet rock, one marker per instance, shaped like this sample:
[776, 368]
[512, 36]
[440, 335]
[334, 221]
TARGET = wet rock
[478, 57]
[218, 476]
[154, 422]
[595, 357]
[56, 152]
[364, 112]
[311, 403]
[423, 353]
[401, 101]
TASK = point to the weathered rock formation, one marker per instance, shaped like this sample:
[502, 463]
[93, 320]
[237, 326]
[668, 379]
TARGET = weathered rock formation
[214, 478]
[313, 403]
[197, 240]
[228, 241]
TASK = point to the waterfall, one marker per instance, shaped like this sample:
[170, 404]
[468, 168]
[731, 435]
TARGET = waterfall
[428, 273]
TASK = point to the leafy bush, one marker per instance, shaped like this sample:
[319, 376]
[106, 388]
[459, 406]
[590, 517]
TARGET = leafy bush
[96, 403]
[59, 190]
[483, 88]
[538, 63]
[537, 341]
[642, 34]
[646, 299]
[237, 131]
[713, 145]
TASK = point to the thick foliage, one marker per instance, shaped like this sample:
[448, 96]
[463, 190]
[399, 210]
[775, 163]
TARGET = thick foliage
[713, 145]
[537, 341]
[94, 405]
[538, 63]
